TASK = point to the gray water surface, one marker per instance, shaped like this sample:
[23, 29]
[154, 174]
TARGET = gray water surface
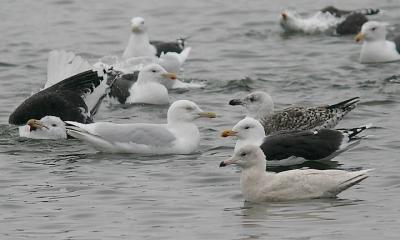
[66, 190]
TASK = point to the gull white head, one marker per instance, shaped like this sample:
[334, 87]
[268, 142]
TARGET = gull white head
[137, 25]
[246, 157]
[372, 31]
[154, 73]
[257, 104]
[289, 20]
[48, 127]
[246, 129]
[186, 111]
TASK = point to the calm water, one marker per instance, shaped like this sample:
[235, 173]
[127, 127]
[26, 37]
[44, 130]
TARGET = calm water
[66, 190]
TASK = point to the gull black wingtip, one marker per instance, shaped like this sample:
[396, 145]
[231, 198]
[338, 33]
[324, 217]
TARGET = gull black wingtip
[222, 164]
[234, 102]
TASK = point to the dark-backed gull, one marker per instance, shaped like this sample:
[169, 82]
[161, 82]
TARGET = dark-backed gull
[139, 44]
[294, 147]
[328, 20]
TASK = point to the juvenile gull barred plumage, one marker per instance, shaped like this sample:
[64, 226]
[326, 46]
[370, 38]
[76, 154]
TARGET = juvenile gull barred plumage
[294, 147]
[178, 136]
[375, 47]
[260, 106]
[260, 186]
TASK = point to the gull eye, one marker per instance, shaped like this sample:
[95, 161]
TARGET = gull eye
[189, 108]
[252, 99]
[154, 71]
[243, 154]
[247, 127]
[373, 29]
[54, 125]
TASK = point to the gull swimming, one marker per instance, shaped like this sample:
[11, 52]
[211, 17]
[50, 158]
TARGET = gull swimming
[257, 185]
[179, 135]
[48, 127]
[375, 47]
[76, 98]
[260, 106]
[294, 147]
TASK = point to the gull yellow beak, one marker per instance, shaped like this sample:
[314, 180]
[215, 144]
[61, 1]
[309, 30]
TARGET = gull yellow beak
[359, 37]
[35, 124]
[135, 29]
[208, 114]
[228, 133]
[170, 76]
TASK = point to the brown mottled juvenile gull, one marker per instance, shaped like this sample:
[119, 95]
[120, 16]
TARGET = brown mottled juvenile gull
[260, 106]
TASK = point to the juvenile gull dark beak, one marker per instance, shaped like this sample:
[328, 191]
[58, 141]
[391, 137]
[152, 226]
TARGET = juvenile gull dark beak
[234, 102]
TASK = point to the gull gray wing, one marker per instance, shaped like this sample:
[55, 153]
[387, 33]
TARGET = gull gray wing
[147, 134]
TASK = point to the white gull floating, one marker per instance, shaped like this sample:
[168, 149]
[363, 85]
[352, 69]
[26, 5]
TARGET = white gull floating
[257, 185]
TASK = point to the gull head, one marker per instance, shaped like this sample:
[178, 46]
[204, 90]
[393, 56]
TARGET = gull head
[47, 127]
[246, 129]
[288, 20]
[246, 157]
[186, 111]
[137, 25]
[155, 73]
[372, 31]
[257, 104]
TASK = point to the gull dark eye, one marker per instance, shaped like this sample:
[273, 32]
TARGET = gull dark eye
[243, 154]
[154, 71]
[189, 108]
[252, 99]
[373, 29]
[54, 125]
[246, 127]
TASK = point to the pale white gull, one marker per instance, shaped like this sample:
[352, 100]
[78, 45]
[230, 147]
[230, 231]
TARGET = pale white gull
[179, 135]
[149, 88]
[375, 47]
[257, 185]
[48, 127]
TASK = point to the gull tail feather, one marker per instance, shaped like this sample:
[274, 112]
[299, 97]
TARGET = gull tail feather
[346, 105]
[357, 178]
